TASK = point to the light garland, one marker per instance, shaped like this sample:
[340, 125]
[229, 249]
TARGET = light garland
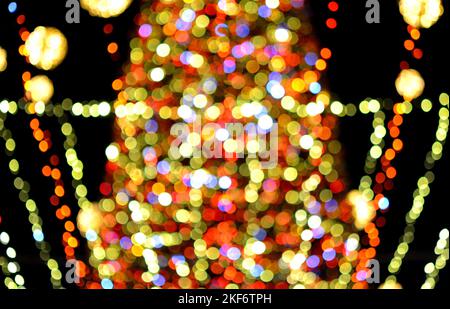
[432, 269]
[9, 267]
[23, 188]
[51, 170]
[422, 191]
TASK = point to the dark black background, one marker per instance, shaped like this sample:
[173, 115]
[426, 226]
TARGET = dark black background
[365, 64]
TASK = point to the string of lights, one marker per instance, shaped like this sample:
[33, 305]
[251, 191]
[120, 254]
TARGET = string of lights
[422, 191]
[432, 269]
[9, 267]
[36, 222]
[51, 170]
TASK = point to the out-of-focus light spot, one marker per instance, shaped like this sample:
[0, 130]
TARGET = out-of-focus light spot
[351, 244]
[272, 4]
[331, 23]
[196, 61]
[224, 182]
[409, 84]
[38, 235]
[276, 90]
[282, 35]
[315, 88]
[229, 65]
[306, 141]
[4, 238]
[363, 211]
[157, 74]
[163, 167]
[258, 247]
[222, 134]
[264, 11]
[297, 261]
[383, 203]
[39, 88]
[145, 30]
[421, 13]
[233, 253]
[265, 122]
[112, 152]
[104, 108]
[3, 60]
[107, 284]
[333, 6]
[329, 254]
[112, 48]
[159, 280]
[200, 101]
[89, 219]
[46, 48]
[220, 30]
[12, 7]
[163, 50]
[311, 58]
[390, 285]
[105, 8]
[313, 261]
[165, 199]
[91, 235]
[242, 30]
[188, 15]
[12, 267]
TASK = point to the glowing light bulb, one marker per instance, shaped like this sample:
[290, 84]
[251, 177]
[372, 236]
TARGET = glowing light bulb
[157, 74]
[390, 285]
[3, 60]
[105, 8]
[40, 89]
[46, 48]
[421, 13]
[282, 35]
[409, 84]
[89, 218]
[363, 210]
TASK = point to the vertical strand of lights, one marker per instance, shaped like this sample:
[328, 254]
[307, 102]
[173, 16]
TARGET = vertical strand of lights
[331, 22]
[370, 165]
[10, 268]
[410, 85]
[73, 160]
[23, 188]
[373, 187]
[51, 169]
[380, 162]
[421, 192]
[80, 190]
[96, 109]
[432, 269]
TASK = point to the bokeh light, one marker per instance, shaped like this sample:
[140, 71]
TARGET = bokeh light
[89, 219]
[46, 47]
[39, 88]
[421, 13]
[105, 8]
[3, 59]
[409, 84]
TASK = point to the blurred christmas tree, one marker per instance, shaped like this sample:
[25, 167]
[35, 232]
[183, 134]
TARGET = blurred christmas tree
[176, 216]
